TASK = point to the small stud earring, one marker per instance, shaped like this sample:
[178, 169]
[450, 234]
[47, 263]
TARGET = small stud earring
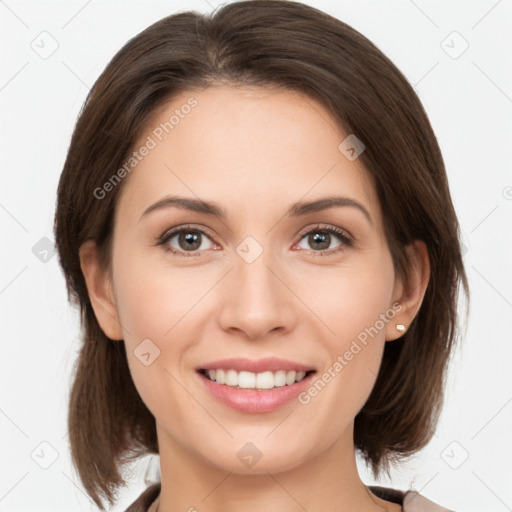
[400, 327]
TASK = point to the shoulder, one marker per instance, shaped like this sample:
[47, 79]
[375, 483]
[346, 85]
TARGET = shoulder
[144, 501]
[411, 501]
[415, 502]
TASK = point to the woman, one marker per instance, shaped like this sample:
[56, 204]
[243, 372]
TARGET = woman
[212, 156]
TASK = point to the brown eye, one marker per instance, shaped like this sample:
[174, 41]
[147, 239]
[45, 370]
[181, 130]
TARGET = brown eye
[320, 239]
[189, 240]
[185, 240]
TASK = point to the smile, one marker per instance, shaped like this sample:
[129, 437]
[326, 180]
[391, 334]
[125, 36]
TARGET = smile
[253, 399]
[255, 381]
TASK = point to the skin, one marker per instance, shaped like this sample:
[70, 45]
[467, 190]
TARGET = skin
[254, 152]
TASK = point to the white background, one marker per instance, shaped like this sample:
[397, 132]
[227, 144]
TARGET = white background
[469, 102]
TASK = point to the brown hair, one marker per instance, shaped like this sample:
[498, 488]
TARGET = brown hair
[267, 43]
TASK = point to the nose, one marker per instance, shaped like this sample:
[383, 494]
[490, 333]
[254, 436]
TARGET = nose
[255, 299]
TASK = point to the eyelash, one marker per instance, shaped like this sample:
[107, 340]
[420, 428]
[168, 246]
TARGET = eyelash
[346, 239]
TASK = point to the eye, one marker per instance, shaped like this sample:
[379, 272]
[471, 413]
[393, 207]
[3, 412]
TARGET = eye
[321, 237]
[189, 241]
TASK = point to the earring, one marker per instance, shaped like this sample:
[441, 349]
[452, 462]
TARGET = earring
[400, 327]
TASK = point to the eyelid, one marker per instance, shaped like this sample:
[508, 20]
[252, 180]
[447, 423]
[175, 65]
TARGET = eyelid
[325, 227]
[177, 229]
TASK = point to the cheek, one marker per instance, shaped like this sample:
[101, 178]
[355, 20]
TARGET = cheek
[353, 300]
[152, 299]
[154, 306]
[355, 305]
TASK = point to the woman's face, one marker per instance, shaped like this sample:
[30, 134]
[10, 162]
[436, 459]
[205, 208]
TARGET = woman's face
[248, 284]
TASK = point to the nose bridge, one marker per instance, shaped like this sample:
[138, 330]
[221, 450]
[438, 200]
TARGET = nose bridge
[256, 301]
[252, 269]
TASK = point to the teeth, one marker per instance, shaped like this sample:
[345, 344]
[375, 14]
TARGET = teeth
[250, 380]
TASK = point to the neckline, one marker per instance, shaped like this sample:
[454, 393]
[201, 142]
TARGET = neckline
[388, 494]
[152, 493]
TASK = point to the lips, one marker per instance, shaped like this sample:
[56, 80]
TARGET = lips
[254, 401]
[255, 386]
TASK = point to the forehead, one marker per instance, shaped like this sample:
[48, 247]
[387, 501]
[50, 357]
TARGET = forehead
[233, 144]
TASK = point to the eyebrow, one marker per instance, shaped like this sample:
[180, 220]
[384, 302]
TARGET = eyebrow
[298, 209]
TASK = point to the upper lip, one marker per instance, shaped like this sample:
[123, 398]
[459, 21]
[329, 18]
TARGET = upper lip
[271, 364]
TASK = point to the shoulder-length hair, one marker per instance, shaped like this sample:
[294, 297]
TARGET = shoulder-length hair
[277, 44]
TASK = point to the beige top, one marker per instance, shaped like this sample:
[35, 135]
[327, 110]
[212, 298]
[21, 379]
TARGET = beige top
[411, 501]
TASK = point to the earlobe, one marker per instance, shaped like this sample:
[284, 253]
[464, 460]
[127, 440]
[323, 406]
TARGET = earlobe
[410, 294]
[99, 288]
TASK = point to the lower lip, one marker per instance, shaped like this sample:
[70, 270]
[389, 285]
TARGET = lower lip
[253, 401]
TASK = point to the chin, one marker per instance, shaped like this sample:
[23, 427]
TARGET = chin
[253, 458]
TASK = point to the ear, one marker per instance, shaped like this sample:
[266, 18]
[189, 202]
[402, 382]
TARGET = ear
[410, 294]
[99, 287]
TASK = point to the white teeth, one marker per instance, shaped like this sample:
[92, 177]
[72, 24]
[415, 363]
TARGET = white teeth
[250, 380]
[219, 376]
[231, 378]
[265, 380]
[280, 378]
[290, 377]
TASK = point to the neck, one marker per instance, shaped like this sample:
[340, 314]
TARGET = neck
[328, 481]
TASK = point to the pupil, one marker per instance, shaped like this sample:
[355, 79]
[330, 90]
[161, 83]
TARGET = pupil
[191, 239]
[321, 238]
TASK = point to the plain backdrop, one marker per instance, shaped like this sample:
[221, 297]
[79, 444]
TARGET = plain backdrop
[457, 57]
